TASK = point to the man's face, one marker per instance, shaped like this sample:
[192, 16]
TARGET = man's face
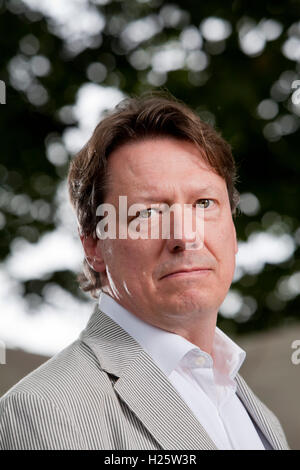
[166, 170]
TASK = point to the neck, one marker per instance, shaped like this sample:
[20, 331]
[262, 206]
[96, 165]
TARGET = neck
[198, 327]
[200, 333]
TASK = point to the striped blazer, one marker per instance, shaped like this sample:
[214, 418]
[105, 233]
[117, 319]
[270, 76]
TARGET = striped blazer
[104, 391]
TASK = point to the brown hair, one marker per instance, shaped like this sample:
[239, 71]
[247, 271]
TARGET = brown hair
[152, 114]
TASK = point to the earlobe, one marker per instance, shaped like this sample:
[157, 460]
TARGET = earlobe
[95, 263]
[93, 253]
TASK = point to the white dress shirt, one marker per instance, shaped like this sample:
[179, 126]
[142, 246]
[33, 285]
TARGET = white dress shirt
[205, 382]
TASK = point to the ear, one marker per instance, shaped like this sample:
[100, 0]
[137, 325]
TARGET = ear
[93, 252]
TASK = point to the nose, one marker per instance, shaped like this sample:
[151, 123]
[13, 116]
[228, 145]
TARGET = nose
[186, 228]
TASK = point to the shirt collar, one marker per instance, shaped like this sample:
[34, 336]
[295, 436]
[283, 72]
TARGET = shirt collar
[168, 349]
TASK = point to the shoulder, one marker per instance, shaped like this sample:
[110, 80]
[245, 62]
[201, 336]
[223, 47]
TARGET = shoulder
[70, 373]
[30, 422]
[45, 409]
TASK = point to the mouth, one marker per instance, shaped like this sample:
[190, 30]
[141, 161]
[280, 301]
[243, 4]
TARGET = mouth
[184, 274]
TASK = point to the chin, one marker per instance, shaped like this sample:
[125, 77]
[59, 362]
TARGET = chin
[188, 302]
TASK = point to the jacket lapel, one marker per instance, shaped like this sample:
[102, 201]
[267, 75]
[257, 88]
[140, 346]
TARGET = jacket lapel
[144, 387]
[151, 396]
[263, 417]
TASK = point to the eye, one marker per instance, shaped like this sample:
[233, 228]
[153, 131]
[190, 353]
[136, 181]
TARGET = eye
[143, 214]
[206, 201]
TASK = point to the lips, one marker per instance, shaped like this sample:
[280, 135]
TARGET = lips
[180, 271]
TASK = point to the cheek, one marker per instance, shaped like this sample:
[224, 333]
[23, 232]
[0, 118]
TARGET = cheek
[221, 242]
[228, 253]
[132, 257]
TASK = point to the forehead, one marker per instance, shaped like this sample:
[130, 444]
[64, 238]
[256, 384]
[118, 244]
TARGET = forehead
[160, 163]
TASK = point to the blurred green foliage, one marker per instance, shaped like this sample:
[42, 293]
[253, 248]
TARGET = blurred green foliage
[227, 91]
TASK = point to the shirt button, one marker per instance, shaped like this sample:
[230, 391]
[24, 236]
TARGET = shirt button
[200, 361]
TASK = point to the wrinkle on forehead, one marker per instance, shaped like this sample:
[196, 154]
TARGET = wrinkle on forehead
[136, 167]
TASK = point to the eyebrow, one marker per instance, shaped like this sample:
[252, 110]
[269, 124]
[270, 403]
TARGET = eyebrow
[147, 197]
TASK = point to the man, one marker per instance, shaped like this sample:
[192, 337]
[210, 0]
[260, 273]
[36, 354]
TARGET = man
[151, 370]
